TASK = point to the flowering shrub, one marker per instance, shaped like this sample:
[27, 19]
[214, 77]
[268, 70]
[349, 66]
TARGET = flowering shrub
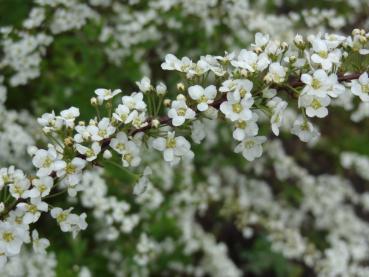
[191, 170]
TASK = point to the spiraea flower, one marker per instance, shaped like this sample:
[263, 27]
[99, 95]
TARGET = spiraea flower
[134, 101]
[316, 85]
[236, 110]
[251, 61]
[106, 94]
[104, 129]
[173, 147]
[45, 161]
[251, 147]
[12, 238]
[276, 74]
[360, 87]
[315, 106]
[179, 112]
[131, 154]
[68, 221]
[203, 96]
[323, 56]
[245, 128]
[90, 152]
[304, 130]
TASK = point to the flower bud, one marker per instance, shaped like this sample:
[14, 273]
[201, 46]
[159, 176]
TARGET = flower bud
[107, 154]
[94, 101]
[181, 97]
[167, 102]
[299, 41]
[356, 32]
[161, 89]
[181, 87]
[284, 46]
[68, 141]
[258, 50]
[155, 123]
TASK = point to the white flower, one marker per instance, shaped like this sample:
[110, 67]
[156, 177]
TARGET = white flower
[173, 63]
[134, 101]
[44, 160]
[144, 85]
[69, 222]
[241, 88]
[18, 188]
[304, 130]
[119, 143]
[68, 116]
[316, 85]
[315, 106]
[32, 211]
[237, 110]
[245, 129]
[90, 152]
[335, 89]
[41, 187]
[140, 120]
[277, 73]
[251, 61]
[104, 129]
[12, 237]
[278, 107]
[72, 168]
[203, 97]
[251, 147]
[179, 112]
[161, 89]
[172, 147]
[106, 94]
[360, 87]
[131, 155]
[39, 244]
[260, 40]
[322, 55]
[123, 114]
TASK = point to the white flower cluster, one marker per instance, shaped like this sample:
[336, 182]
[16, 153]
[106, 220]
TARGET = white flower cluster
[24, 203]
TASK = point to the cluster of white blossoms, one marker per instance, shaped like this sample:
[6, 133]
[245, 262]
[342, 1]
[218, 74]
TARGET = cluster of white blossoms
[24, 202]
[242, 89]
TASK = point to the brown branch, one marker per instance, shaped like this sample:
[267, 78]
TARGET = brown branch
[165, 120]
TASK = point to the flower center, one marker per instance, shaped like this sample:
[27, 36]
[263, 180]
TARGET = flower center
[90, 153]
[203, 99]
[237, 108]
[365, 88]
[32, 208]
[249, 144]
[70, 169]
[102, 133]
[241, 124]
[315, 84]
[42, 188]
[47, 162]
[61, 217]
[128, 157]
[123, 116]
[171, 143]
[8, 236]
[323, 54]
[316, 104]
[181, 111]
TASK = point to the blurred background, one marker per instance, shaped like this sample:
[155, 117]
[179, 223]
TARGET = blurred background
[300, 210]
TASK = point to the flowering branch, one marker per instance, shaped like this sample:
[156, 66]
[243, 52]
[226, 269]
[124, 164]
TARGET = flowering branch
[242, 89]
